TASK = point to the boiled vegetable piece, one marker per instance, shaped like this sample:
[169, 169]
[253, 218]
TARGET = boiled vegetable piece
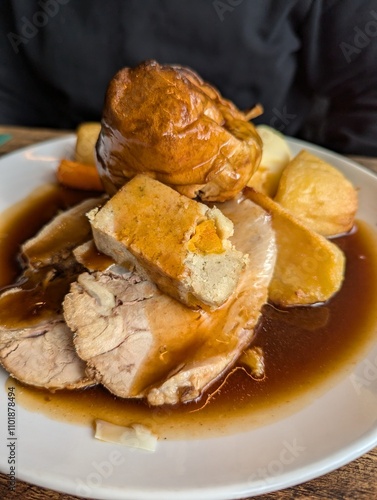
[276, 155]
[77, 175]
[134, 436]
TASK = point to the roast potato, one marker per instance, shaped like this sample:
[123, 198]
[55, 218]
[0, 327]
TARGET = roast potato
[309, 268]
[86, 138]
[166, 122]
[318, 194]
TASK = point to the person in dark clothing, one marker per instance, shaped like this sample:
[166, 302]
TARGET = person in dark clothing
[312, 64]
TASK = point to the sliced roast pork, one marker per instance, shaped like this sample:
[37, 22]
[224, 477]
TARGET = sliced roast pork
[36, 346]
[43, 355]
[53, 245]
[142, 343]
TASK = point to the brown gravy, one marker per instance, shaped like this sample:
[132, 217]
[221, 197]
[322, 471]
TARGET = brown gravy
[306, 349]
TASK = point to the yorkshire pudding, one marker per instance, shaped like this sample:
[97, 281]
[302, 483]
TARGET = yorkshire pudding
[166, 122]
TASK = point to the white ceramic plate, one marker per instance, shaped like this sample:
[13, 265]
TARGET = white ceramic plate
[336, 428]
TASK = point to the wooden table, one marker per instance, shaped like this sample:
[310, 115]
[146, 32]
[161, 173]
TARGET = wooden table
[356, 481]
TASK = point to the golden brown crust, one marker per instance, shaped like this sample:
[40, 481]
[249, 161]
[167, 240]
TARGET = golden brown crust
[166, 122]
[318, 194]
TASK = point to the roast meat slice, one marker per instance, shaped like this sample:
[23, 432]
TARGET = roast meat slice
[43, 355]
[54, 243]
[142, 343]
[36, 346]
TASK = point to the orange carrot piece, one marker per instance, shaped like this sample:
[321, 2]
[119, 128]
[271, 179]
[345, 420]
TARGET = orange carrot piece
[79, 176]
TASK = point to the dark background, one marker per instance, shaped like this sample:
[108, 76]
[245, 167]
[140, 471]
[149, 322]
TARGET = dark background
[312, 64]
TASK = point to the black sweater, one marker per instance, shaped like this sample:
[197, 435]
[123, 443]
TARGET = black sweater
[312, 64]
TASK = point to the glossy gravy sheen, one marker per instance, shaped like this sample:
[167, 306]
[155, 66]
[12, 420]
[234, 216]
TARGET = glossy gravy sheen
[306, 349]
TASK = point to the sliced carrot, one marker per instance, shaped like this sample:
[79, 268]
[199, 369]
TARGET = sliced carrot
[79, 176]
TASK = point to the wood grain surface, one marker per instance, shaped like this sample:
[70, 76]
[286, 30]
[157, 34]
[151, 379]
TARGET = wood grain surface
[355, 481]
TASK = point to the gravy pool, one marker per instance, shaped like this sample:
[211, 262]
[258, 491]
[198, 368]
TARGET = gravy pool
[306, 349]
